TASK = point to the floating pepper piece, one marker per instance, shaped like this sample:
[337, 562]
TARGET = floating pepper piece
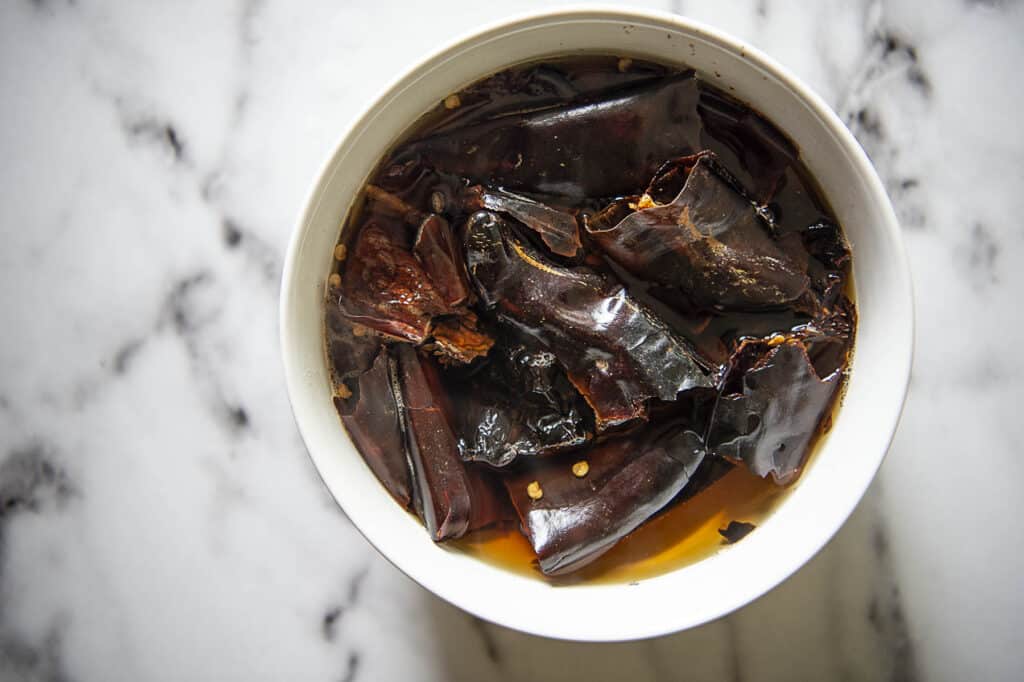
[350, 351]
[520, 405]
[450, 497]
[533, 88]
[606, 144]
[557, 229]
[577, 519]
[830, 266]
[438, 251]
[615, 352]
[770, 423]
[710, 242]
[760, 154]
[374, 424]
[386, 289]
[735, 531]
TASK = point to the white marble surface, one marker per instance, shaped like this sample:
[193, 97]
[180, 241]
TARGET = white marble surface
[159, 519]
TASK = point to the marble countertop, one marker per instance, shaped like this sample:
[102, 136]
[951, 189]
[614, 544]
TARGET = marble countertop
[159, 519]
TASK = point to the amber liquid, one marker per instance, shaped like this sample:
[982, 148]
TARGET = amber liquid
[685, 534]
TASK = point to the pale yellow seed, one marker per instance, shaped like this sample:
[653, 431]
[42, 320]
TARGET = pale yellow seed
[452, 102]
[645, 202]
[340, 251]
[334, 280]
[534, 491]
[624, 64]
[359, 330]
[580, 468]
[344, 392]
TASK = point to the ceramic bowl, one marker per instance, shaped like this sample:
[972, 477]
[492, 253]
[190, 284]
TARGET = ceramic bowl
[838, 474]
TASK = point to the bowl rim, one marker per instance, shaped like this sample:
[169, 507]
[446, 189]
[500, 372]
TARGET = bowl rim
[903, 358]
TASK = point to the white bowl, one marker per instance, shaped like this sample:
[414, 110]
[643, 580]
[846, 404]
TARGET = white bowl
[839, 473]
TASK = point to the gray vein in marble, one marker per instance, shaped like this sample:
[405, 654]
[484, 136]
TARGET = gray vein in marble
[735, 661]
[887, 55]
[50, 5]
[659, 666]
[487, 639]
[30, 482]
[248, 16]
[184, 310]
[885, 612]
[834, 621]
[232, 233]
[125, 354]
[259, 253]
[351, 667]
[978, 258]
[332, 617]
[141, 125]
[150, 129]
[183, 313]
[248, 41]
[25, 662]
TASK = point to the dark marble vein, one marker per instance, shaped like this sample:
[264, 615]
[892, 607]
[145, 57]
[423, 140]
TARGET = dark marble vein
[257, 251]
[734, 664]
[185, 313]
[351, 667]
[662, 669]
[188, 319]
[125, 354]
[247, 19]
[886, 53]
[161, 133]
[27, 662]
[979, 257]
[248, 40]
[355, 585]
[885, 613]
[836, 622]
[50, 5]
[490, 645]
[990, 4]
[888, 56]
[333, 615]
[31, 481]
[179, 303]
[232, 233]
[240, 418]
[329, 625]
